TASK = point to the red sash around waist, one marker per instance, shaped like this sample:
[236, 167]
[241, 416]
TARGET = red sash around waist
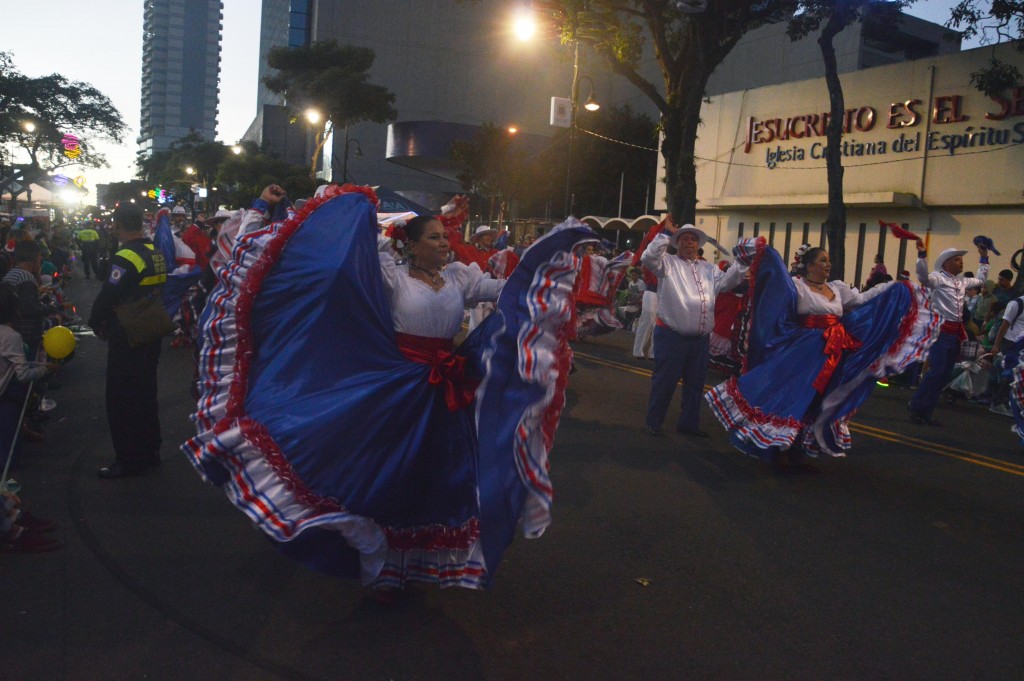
[955, 329]
[837, 341]
[446, 368]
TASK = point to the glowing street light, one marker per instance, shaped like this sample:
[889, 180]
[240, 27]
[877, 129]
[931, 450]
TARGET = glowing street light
[29, 126]
[512, 129]
[313, 116]
[591, 104]
[524, 26]
[190, 170]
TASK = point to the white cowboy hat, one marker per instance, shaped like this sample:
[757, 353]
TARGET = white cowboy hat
[702, 238]
[178, 210]
[220, 215]
[946, 255]
[482, 230]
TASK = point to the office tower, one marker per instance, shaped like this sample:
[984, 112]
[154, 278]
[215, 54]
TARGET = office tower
[180, 71]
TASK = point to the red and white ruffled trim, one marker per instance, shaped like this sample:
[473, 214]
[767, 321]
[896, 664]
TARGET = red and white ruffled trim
[261, 482]
[748, 422]
[544, 354]
[916, 334]
[918, 330]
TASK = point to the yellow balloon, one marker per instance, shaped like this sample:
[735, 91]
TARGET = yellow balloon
[59, 342]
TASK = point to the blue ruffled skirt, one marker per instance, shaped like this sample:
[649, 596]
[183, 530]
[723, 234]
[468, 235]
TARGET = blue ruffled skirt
[336, 445]
[773, 403]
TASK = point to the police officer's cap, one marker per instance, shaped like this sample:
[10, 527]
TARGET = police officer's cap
[128, 215]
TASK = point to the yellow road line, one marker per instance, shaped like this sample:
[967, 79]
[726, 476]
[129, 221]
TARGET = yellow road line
[871, 431]
[930, 447]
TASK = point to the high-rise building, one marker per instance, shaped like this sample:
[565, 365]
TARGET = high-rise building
[180, 71]
[452, 66]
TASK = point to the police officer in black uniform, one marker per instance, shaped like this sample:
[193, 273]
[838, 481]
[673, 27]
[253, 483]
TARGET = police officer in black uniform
[138, 269]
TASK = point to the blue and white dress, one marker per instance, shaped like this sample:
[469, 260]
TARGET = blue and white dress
[811, 362]
[334, 413]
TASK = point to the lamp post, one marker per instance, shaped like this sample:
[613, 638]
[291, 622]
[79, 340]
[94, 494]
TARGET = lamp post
[574, 98]
[321, 135]
[591, 105]
[199, 188]
[358, 152]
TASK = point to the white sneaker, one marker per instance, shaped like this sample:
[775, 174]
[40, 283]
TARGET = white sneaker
[46, 404]
[1001, 409]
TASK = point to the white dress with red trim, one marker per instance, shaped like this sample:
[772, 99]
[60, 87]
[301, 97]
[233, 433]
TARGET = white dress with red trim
[596, 287]
[811, 362]
[335, 412]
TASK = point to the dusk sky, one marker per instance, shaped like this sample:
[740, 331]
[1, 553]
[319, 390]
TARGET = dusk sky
[101, 43]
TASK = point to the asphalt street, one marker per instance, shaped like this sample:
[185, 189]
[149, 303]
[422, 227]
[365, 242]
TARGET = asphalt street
[668, 558]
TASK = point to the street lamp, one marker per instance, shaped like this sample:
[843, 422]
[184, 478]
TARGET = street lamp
[591, 105]
[322, 135]
[524, 25]
[358, 152]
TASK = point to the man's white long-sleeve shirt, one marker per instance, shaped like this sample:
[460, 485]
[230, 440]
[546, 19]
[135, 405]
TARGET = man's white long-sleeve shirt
[947, 293]
[687, 288]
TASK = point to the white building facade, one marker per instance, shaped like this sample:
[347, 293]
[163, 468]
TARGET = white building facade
[921, 147]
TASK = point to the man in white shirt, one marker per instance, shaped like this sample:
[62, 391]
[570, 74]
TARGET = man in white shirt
[687, 287]
[948, 289]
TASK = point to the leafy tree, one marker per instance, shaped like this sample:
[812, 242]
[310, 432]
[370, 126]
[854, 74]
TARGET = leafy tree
[690, 38]
[500, 167]
[506, 174]
[124, 191]
[241, 178]
[622, 152]
[191, 151]
[832, 17]
[37, 115]
[238, 177]
[332, 79]
[169, 168]
[1003, 21]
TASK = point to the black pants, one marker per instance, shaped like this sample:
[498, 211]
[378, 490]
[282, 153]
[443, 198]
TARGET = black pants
[132, 411]
[90, 261]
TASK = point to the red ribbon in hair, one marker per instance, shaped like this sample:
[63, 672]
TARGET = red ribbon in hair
[837, 341]
[447, 368]
[898, 231]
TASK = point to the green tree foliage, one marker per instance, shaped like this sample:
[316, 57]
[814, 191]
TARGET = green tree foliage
[499, 168]
[116, 192]
[622, 155]
[994, 22]
[530, 178]
[334, 80]
[55, 107]
[241, 178]
[832, 17]
[191, 151]
[688, 42]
